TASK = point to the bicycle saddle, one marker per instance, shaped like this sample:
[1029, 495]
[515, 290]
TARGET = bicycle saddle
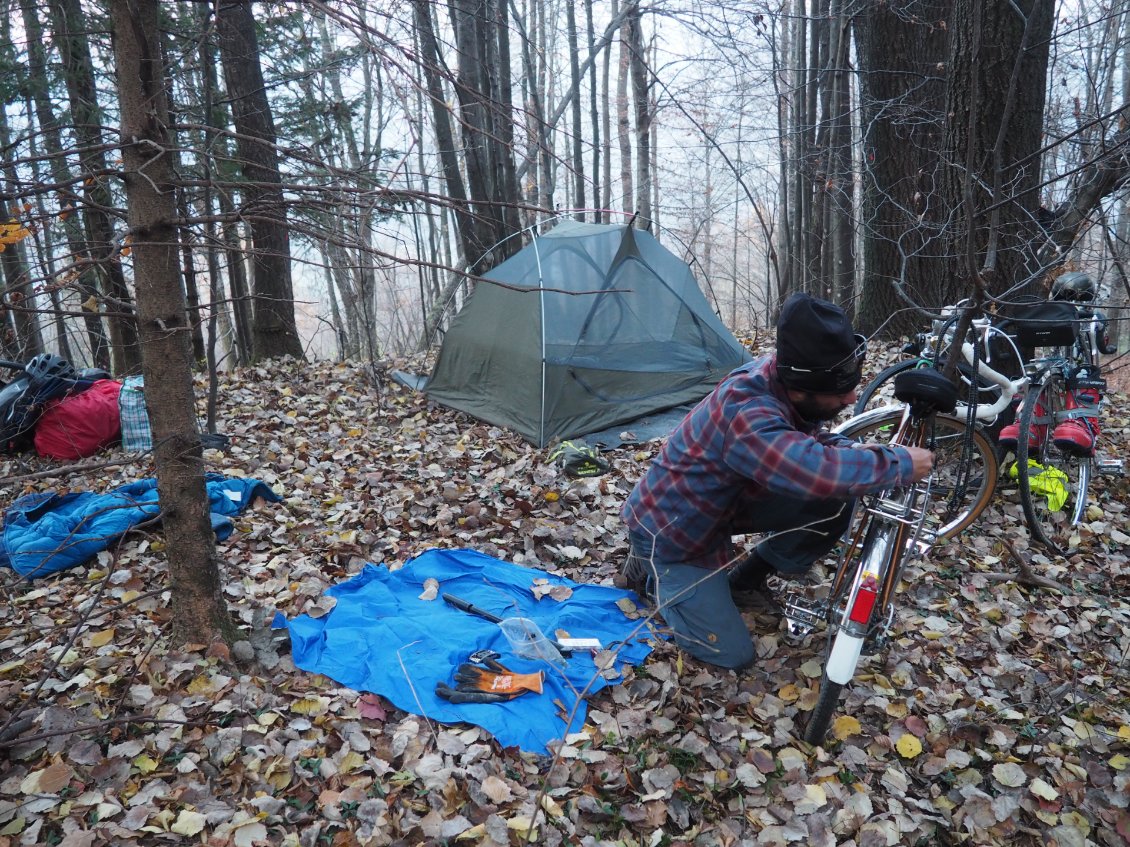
[926, 387]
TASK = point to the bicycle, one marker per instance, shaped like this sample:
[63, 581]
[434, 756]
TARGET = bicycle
[931, 349]
[1054, 480]
[892, 527]
[966, 453]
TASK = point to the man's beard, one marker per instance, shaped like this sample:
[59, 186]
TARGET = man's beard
[815, 411]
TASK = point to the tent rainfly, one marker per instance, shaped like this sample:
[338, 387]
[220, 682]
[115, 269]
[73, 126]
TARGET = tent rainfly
[597, 325]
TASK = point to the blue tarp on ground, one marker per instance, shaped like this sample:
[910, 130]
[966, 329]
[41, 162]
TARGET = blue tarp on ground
[46, 532]
[381, 637]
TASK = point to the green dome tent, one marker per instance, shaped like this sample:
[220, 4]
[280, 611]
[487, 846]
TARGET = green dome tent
[596, 325]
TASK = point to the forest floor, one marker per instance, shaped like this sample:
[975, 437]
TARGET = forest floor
[999, 714]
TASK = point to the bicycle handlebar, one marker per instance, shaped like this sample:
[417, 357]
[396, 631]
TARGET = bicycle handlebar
[1009, 387]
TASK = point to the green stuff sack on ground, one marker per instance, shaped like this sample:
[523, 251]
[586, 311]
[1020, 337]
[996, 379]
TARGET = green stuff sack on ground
[577, 459]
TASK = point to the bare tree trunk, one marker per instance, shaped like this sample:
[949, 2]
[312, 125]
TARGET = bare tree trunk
[274, 332]
[537, 131]
[637, 61]
[578, 131]
[606, 124]
[100, 247]
[781, 45]
[200, 613]
[841, 212]
[469, 240]
[902, 55]
[482, 88]
[653, 169]
[594, 111]
[995, 103]
[186, 238]
[801, 206]
[228, 234]
[87, 282]
[623, 122]
[18, 295]
[548, 157]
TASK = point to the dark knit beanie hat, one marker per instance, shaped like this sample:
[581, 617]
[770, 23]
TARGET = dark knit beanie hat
[817, 349]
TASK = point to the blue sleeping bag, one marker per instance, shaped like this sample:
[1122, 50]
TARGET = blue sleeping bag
[46, 532]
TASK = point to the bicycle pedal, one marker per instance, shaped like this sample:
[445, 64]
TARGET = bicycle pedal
[801, 615]
[1110, 467]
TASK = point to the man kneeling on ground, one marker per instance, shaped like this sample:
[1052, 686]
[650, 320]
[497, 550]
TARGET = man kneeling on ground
[753, 457]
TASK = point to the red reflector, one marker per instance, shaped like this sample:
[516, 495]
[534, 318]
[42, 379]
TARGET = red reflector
[864, 603]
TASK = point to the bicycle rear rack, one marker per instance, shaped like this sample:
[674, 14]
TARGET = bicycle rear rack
[909, 509]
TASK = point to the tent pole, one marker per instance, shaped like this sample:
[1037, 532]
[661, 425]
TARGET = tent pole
[541, 309]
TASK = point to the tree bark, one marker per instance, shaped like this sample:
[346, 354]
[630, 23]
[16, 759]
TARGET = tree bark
[623, 122]
[482, 88]
[594, 111]
[578, 130]
[274, 331]
[902, 53]
[199, 609]
[998, 55]
[469, 241]
[86, 282]
[18, 296]
[228, 235]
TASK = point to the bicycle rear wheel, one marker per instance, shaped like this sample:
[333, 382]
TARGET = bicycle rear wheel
[962, 485]
[1053, 483]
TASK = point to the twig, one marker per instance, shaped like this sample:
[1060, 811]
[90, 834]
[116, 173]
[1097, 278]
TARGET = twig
[40, 736]
[1025, 575]
[415, 696]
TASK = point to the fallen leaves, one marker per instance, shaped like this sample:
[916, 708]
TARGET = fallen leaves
[996, 710]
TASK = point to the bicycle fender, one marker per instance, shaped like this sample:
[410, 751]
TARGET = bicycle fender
[844, 658]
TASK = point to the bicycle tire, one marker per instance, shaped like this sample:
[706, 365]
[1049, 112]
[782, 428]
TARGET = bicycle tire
[947, 519]
[1041, 483]
[816, 730]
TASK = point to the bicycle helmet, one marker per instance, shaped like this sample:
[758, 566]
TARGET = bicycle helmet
[47, 366]
[1075, 286]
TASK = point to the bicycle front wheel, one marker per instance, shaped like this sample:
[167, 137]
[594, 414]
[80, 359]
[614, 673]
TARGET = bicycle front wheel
[1053, 483]
[963, 481]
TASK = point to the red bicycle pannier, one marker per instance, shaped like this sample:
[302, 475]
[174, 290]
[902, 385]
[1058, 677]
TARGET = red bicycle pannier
[82, 424]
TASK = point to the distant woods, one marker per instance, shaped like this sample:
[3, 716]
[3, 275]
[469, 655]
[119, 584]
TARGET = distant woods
[341, 172]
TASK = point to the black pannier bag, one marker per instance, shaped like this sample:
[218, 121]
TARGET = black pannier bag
[1047, 323]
